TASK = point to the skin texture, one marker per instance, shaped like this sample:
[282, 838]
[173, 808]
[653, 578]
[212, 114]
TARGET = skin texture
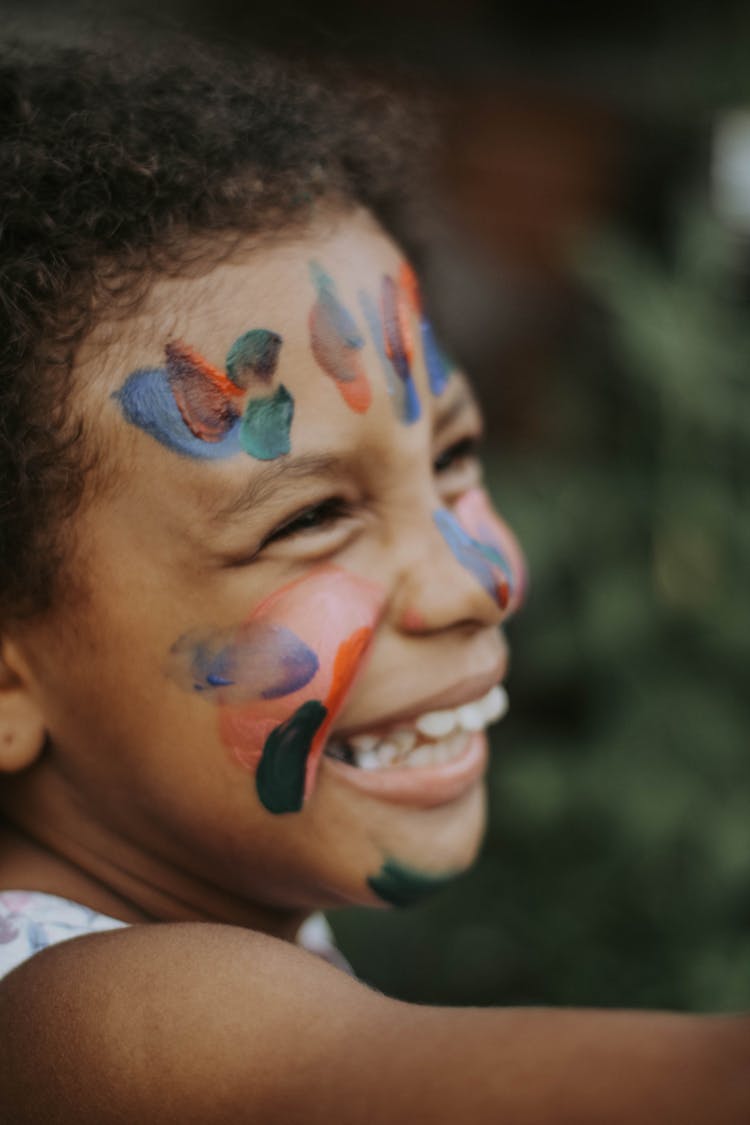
[120, 792]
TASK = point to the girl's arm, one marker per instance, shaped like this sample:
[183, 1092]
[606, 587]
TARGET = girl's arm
[209, 1024]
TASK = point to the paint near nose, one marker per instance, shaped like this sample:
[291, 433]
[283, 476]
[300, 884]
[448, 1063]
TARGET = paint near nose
[477, 515]
[481, 561]
[485, 547]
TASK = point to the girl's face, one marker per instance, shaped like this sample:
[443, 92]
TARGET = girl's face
[276, 689]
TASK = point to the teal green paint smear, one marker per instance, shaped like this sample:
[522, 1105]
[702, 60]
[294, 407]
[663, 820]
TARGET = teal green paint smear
[280, 779]
[254, 354]
[403, 886]
[264, 431]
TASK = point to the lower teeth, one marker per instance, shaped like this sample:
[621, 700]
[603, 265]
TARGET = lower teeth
[426, 754]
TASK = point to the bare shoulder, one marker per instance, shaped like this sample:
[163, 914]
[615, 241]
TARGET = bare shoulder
[189, 1022]
[212, 1025]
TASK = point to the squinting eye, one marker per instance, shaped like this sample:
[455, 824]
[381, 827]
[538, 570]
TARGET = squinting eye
[454, 455]
[315, 518]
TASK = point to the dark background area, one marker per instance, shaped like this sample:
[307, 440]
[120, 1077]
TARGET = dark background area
[594, 280]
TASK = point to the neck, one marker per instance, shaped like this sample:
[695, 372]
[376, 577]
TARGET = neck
[130, 890]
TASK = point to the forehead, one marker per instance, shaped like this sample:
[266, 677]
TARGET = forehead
[323, 333]
[263, 285]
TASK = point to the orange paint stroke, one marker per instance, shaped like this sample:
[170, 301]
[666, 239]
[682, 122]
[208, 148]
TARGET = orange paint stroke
[347, 665]
[407, 281]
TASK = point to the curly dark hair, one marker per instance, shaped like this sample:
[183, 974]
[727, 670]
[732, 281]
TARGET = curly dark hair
[114, 168]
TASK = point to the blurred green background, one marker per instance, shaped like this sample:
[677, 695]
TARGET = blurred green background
[595, 279]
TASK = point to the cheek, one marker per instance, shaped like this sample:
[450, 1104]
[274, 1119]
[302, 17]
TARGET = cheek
[479, 519]
[281, 677]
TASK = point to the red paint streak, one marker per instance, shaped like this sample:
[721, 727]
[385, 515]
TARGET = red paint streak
[335, 613]
[408, 284]
[184, 354]
[203, 394]
[358, 393]
[399, 339]
[339, 360]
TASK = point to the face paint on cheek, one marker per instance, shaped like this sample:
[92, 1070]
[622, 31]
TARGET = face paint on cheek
[336, 343]
[400, 885]
[482, 557]
[399, 346]
[438, 366]
[258, 660]
[281, 678]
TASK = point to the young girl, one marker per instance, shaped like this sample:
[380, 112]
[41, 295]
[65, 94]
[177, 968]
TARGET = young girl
[251, 589]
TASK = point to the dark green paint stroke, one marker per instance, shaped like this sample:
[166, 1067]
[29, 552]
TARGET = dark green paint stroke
[253, 355]
[280, 779]
[264, 432]
[403, 886]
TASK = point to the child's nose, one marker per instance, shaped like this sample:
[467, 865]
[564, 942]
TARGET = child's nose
[447, 580]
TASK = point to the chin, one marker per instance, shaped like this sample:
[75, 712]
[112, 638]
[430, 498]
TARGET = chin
[428, 850]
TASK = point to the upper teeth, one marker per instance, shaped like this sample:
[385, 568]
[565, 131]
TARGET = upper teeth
[470, 717]
[444, 729]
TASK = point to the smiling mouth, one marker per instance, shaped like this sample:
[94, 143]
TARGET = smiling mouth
[433, 739]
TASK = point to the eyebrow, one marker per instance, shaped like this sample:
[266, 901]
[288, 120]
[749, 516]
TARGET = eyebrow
[265, 483]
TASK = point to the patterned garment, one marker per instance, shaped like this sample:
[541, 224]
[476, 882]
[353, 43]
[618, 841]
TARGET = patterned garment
[30, 921]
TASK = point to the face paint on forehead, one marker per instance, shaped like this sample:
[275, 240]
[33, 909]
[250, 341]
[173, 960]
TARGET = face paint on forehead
[280, 679]
[194, 409]
[399, 345]
[336, 342]
[253, 356]
[438, 366]
[483, 544]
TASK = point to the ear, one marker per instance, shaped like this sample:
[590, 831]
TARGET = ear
[22, 728]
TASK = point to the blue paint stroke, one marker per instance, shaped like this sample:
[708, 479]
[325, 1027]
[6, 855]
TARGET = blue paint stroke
[478, 558]
[395, 348]
[372, 316]
[255, 661]
[437, 364]
[146, 400]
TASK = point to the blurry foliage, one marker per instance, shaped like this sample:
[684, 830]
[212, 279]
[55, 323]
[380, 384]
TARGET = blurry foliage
[617, 866]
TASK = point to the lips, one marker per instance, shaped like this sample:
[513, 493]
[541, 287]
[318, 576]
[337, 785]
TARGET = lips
[432, 759]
